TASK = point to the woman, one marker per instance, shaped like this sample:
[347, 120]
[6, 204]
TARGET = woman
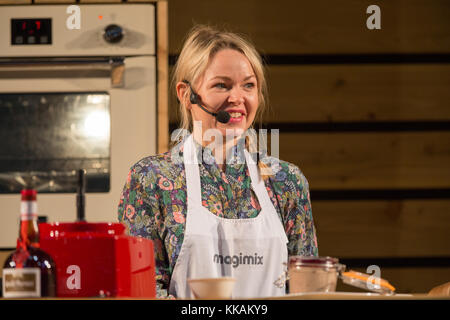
[209, 217]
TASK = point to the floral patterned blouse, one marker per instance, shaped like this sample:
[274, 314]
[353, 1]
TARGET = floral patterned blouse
[153, 203]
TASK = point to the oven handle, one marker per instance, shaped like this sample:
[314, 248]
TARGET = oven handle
[115, 66]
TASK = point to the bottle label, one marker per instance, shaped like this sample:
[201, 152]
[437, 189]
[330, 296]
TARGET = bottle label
[21, 283]
[28, 210]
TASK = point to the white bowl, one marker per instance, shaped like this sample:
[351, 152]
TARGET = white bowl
[212, 288]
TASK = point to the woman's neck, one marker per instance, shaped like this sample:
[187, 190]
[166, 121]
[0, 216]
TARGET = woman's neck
[219, 145]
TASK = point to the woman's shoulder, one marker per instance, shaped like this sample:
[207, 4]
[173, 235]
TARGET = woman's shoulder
[286, 173]
[153, 161]
[156, 165]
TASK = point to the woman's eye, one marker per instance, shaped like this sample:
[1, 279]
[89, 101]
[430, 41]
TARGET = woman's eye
[220, 85]
[250, 85]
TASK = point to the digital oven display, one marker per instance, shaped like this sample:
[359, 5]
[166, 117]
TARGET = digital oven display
[31, 31]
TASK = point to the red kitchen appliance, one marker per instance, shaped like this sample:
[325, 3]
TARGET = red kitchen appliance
[98, 259]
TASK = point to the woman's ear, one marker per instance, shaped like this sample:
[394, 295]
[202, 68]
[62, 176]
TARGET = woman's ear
[183, 94]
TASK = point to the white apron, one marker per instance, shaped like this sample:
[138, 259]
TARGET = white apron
[251, 250]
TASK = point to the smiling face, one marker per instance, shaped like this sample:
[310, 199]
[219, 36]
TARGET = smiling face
[229, 84]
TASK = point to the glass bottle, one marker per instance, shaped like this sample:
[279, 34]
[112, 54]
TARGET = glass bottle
[29, 271]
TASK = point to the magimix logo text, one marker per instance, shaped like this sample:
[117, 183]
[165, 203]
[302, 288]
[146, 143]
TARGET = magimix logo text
[235, 260]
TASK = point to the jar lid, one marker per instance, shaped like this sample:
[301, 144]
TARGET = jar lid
[311, 261]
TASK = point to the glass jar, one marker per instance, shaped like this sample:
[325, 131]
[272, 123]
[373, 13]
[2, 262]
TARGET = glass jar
[313, 274]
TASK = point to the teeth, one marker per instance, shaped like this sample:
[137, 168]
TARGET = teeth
[235, 114]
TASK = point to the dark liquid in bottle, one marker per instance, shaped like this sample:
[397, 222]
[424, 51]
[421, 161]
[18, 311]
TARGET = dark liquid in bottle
[31, 257]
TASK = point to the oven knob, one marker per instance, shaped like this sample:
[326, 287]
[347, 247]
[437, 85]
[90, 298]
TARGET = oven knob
[113, 33]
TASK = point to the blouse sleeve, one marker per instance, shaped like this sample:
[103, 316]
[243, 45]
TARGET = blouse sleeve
[299, 223]
[140, 213]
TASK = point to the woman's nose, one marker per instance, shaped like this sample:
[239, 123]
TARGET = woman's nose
[236, 96]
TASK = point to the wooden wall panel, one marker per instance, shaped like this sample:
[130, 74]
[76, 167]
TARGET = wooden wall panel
[324, 26]
[15, 2]
[359, 93]
[53, 1]
[100, 1]
[370, 160]
[349, 93]
[395, 228]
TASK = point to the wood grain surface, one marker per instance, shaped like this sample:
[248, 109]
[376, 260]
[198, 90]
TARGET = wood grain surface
[320, 27]
[370, 160]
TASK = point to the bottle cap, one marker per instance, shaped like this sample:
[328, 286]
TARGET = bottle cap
[29, 195]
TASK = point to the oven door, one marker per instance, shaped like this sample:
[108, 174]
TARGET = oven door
[59, 116]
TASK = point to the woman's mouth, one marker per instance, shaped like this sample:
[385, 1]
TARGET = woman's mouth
[236, 117]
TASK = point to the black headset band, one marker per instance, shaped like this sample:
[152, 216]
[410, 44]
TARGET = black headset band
[194, 98]
[221, 116]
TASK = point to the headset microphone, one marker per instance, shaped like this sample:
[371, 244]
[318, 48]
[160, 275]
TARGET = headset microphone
[221, 116]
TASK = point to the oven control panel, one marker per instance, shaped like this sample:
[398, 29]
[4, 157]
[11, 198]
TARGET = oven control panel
[90, 30]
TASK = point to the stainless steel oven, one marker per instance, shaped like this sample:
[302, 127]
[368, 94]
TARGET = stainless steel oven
[73, 98]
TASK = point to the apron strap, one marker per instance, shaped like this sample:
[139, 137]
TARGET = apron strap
[194, 195]
[257, 182]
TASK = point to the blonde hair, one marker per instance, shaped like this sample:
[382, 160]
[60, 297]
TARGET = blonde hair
[201, 45]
